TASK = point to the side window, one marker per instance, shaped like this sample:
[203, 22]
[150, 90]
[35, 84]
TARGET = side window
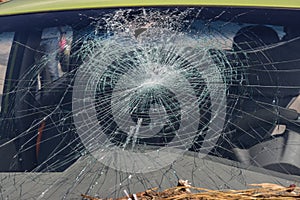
[52, 56]
[6, 39]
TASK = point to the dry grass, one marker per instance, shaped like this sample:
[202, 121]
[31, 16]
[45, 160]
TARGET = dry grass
[187, 192]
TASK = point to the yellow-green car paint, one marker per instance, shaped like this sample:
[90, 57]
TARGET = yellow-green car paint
[13, 7]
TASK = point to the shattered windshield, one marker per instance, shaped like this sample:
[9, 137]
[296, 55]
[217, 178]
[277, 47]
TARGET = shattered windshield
[101, 101]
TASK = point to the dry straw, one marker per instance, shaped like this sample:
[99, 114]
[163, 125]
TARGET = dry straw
[186, 192]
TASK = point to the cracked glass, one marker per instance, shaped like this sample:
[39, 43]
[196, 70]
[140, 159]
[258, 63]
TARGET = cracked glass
[99, 102]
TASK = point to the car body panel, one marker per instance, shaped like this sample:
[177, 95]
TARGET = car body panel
[31, 6]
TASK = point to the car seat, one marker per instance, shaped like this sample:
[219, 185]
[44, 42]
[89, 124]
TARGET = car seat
[268, 126]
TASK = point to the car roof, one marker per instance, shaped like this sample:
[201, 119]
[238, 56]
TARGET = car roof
[13, 7]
